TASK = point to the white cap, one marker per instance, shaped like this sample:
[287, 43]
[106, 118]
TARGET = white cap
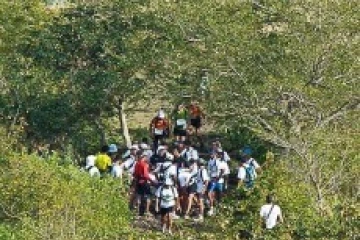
[113, 148]
[160, 148]
[90, 161]
[161, 114]
[144, 146]
[134, 147]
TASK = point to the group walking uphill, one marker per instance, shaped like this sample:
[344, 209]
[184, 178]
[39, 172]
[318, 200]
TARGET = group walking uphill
[172, 180]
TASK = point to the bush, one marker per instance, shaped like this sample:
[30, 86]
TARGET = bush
[57, 202]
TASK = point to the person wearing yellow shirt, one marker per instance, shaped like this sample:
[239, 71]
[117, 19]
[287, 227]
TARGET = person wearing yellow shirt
[103, 161]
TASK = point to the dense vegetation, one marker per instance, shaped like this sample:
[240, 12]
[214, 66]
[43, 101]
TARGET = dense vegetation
[279, 75]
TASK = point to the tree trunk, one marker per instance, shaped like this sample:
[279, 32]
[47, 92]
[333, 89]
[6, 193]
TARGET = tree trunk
[123, 124]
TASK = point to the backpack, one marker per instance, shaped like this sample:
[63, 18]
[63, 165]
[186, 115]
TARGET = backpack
[161, 174]
[212, 167]
[201, 175]
[250, 174]
[162, 189]
[192, 179]
[129, 167]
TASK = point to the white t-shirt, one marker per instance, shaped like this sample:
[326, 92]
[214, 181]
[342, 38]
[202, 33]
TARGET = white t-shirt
[202, 177]
[213, 168]
[190, 153]
[254, 162]
[153, 178]
[116, 171]
[184, 177]
[270, 221]
[167, 196]
[222, 167]
[227, 168]
[226, 157]
[242, 172]
[129, 165]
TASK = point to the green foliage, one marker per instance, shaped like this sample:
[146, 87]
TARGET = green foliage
[49, 200]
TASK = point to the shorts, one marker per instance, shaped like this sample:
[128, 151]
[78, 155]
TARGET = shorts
[164, 211]
[180, 132]
[143, 189]
[183, 191]
[215, 186]
[196, 122]
[200, 190]
[200, 194]
[192, 189]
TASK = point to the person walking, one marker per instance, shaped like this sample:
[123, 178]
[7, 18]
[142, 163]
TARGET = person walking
[166, 198]
[270, 213]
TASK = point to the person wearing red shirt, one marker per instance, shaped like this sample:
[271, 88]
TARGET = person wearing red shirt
[142, 180]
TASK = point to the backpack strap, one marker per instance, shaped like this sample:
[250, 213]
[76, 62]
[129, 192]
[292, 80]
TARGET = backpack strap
[268, 215]
[88, 169]
[130, 166]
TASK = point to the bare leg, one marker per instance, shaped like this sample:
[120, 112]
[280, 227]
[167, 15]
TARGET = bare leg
[169, 219]
[163, 222]
[147, 207]
[211, 198]
[189, 204]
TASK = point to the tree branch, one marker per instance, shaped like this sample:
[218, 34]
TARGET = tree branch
[339, 112]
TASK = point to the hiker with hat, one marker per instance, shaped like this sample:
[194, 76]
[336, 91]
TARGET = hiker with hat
[142, 180]
[248, 169]
[146, 147]
[165, 169]
[129, 164]
[159, 128]
[166, 198]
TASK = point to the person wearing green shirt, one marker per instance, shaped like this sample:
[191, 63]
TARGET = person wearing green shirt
[181, 118]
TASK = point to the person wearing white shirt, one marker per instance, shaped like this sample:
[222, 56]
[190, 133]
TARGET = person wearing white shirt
[90, 166]
[247, 172]
[166, 198]
[190, 152]
[216, 170]
[202, 182]
[224, 158]
[116, 170]
[191, 186]
[270, 213]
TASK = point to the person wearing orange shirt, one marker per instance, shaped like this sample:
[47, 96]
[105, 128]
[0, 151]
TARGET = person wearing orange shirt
[196, 116]
[159, 128]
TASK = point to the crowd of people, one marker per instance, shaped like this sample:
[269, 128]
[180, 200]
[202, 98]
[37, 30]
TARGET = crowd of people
[172, 179]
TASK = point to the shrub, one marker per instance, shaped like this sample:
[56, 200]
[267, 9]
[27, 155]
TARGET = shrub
[57, 202]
